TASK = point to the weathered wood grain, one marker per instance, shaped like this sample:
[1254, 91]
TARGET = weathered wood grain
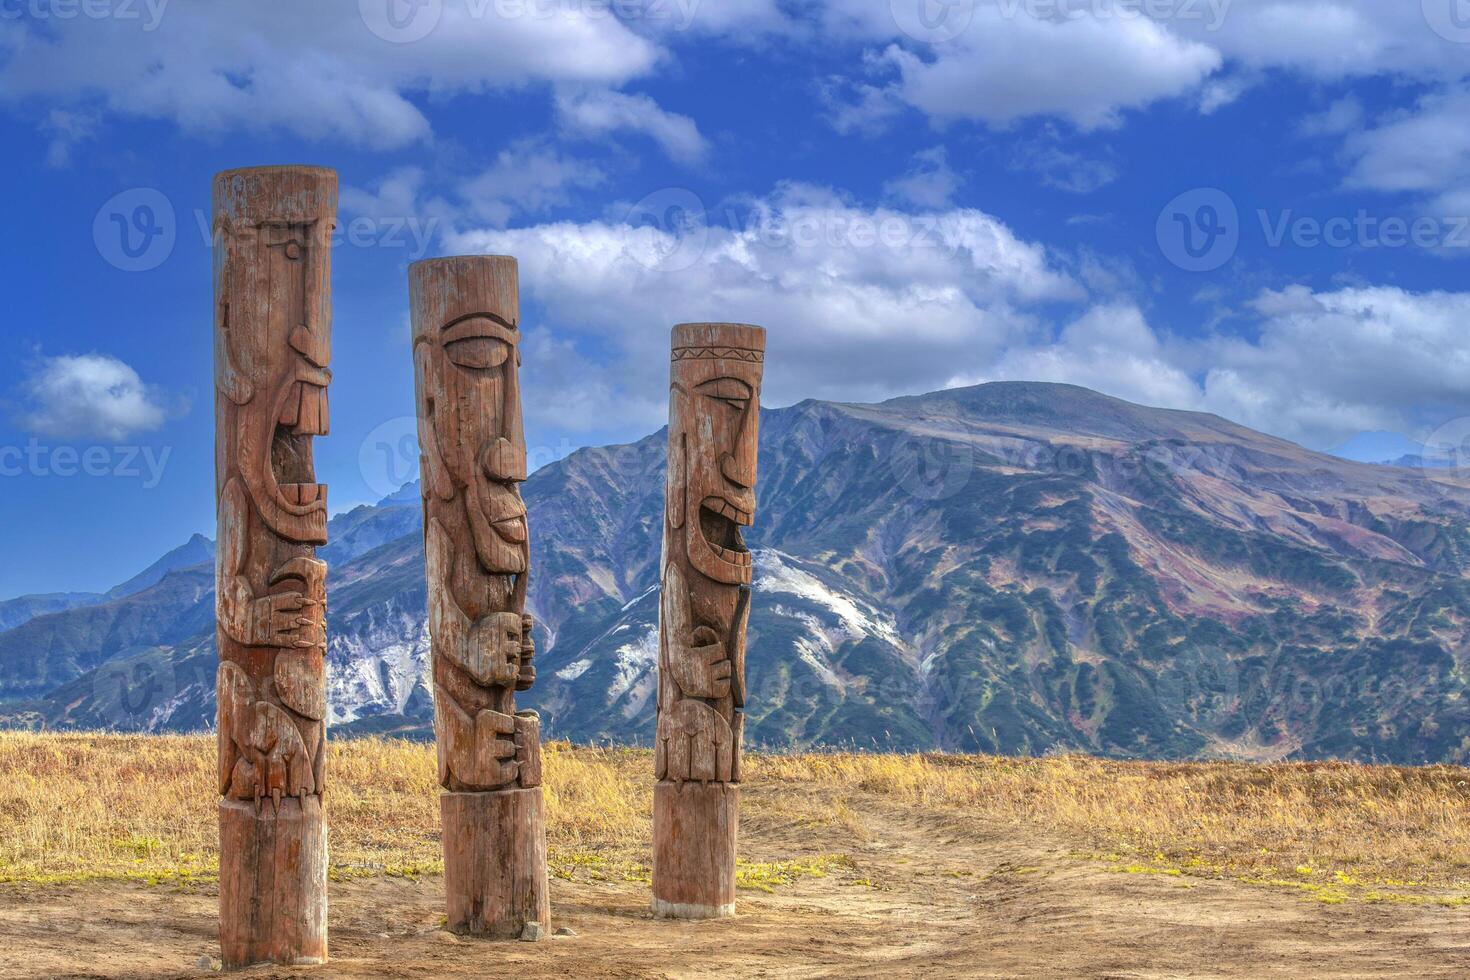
[273, 324]
[275, 889]
[495, 862]
[466, 349]
[698, 825]
[714, 420]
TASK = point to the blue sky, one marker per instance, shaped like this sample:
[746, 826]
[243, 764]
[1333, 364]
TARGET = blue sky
[1256, 208]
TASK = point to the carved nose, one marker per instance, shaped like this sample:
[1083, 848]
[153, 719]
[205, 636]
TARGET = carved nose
[505, 461]
[739, 466]
[311, 345]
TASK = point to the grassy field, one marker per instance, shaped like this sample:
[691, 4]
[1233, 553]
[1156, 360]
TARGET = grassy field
[103, 807]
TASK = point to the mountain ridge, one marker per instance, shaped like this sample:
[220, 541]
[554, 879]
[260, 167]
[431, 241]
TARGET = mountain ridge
[1013, 567]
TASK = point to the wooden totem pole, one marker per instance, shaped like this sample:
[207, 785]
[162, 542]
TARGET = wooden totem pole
[714, 420]
[273, 325]
[466, 352]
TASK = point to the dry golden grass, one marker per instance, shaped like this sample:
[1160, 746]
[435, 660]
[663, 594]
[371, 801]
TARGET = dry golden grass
[79, 807]
[1335, 829]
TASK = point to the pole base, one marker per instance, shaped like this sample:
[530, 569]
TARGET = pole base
[495, 862]
[695, 827]
[272, 882]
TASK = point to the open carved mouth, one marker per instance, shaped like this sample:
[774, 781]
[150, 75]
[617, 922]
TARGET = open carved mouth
[303, 415]
[720, 522]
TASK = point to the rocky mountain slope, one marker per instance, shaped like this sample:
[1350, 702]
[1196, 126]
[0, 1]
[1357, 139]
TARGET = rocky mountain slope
[1018, 568]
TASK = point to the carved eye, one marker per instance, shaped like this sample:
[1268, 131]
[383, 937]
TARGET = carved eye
[478, 353]
[293, 250]
[732, 392]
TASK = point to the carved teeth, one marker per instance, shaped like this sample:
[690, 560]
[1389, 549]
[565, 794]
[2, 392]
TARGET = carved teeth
[733, 557]
[305, 410]
[304, 494]
[727, 510]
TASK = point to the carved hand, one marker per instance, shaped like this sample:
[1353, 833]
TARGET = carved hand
[289, 620]
[495, 748]
[528, 655]
[702, 667]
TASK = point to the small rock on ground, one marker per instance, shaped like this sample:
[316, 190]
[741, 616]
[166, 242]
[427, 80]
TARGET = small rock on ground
[533, 932]
[566, 931]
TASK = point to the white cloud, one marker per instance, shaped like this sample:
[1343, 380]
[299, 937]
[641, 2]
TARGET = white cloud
[313, 69]
[1316, 368]
[1063, 169]
[929, 183]
[394, 195]
[1101, 58]
[1425, 151]
[861, 303]
[601, 112]
[526, 178]
[1009, 68]
[1328, 40]
[1342, 116]
[1329, 364]
[89, 396]
[1111, 349]
[66, 130]
[1008, 64]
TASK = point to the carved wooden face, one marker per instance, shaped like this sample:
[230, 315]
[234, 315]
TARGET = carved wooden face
[717, 413]
[472, 370]
[278, 377]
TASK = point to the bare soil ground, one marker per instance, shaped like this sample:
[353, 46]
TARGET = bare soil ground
[925, 894]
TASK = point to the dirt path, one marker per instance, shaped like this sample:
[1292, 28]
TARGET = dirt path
[924, 898]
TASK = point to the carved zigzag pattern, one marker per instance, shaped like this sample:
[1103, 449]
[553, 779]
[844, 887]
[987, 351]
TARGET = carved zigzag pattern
[718, 353]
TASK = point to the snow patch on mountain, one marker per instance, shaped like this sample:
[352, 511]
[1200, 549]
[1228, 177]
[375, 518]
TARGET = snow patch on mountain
[374, 665]
[635, 678]
[774, 573]
[574, 670]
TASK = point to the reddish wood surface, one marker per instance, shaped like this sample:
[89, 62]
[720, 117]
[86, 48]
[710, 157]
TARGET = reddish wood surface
[714, 423]
[695, 828]
[273, 893]
[495, 862]
[466, 347]
[273, 324]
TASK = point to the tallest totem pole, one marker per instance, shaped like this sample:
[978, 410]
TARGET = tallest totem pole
[273, 323]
